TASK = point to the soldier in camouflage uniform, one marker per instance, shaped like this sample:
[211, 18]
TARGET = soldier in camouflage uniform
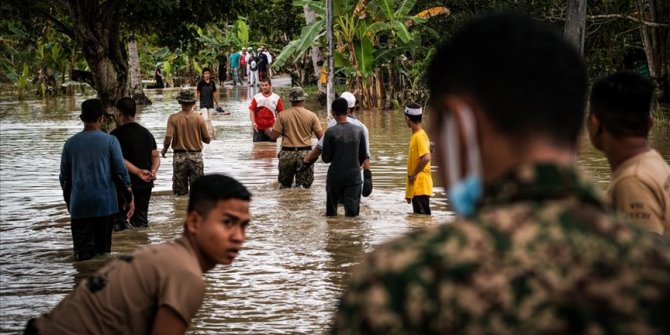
[533, 250]
[296, 125]
[186, 132]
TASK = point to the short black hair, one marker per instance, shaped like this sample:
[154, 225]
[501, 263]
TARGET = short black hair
[206, 70]
[414, 118]
[126, 106]
[526, 77]
[267, 80]
[319, 63]
[207, 190]
[622, 102]
[340, 106]
[91, 110]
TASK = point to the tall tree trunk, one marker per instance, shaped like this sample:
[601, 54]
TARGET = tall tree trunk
[655, 41]
[315, 52]
[379, 88]
[96, 31]
[136, 86]
[575, 23]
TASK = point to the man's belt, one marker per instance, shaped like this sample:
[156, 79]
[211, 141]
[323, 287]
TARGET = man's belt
[296, 148]
[180, 151]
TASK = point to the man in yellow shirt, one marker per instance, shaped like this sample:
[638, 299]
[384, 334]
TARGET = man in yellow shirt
[419, 187]
[619, 122]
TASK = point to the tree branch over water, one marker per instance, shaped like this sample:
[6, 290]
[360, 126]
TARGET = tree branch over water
[627, 17]
[613, 16]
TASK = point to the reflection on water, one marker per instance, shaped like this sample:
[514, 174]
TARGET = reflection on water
[296, 260]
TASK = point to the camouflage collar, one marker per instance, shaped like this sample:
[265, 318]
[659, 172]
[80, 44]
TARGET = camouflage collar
[539, 183]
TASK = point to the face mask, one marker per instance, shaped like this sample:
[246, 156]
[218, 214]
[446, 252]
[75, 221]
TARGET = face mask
[463, 192]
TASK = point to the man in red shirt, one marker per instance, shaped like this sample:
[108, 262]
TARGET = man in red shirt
[263, 110]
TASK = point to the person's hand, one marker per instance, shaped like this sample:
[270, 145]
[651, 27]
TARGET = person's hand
[164, 151]
[409, 201]
[411, 178]
[302, 166]
[146, 175]
[153, 175]
[131, 208]
[253, 124]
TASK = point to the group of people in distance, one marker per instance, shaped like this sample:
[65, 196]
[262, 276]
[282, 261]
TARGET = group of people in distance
[245, 64]
[534, 248]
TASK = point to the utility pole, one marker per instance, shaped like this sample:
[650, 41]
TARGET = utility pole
[330, 90]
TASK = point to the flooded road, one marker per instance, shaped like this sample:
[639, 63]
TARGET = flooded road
[290, 274]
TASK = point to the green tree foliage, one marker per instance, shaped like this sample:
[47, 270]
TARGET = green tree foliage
[375, 45]
[614, 36]
[101, 28]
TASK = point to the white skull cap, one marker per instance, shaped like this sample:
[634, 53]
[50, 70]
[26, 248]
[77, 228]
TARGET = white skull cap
[351, 99]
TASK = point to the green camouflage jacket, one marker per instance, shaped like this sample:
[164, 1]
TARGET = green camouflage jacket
[541, 256]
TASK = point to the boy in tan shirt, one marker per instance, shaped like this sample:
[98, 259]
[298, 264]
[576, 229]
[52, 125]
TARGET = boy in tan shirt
[618, 123]
[159, 288]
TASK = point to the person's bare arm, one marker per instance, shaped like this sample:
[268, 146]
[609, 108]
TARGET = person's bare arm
[271, 133]
[318, 134]
[252, 117]
[422, 163]
[167, 322]
[312, 156]
[166, 145]
[155, 163]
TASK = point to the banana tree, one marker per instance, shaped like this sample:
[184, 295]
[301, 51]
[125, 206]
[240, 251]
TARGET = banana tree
[369, 35]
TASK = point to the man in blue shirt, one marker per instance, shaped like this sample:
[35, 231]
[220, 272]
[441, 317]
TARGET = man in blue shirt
[235, 66]
[91, 167]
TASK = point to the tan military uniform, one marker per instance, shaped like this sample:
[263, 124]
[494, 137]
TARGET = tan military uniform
[187, 131]
[540, 257]
[640, 189]
[124, 296]
[296, 125]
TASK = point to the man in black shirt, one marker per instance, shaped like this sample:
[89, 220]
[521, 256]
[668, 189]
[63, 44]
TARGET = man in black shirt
[263, 64]
[206, 92]
[222, 59]
[140, 156]
[343, 147]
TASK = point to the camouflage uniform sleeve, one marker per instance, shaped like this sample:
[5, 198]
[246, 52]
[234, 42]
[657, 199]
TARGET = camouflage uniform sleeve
[380, 294]
[364, 299]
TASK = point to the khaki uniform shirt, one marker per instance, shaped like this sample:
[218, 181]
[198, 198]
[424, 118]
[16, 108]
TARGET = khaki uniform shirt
[187, 131]
[541, 256]
[296, 125]
[124, 296]
[640, 190]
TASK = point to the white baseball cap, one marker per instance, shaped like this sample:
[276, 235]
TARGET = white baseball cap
[351, 99]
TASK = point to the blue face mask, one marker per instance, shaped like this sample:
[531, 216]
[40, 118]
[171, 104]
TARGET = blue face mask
[463, 196]
[463, 193]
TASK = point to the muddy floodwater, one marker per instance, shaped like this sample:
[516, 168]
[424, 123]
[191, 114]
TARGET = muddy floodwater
[288, 277]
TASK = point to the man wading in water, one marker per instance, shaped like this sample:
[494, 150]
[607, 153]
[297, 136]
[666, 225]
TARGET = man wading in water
[158, 289]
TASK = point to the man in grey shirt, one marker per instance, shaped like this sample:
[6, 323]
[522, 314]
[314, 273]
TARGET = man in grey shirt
[344, 147]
